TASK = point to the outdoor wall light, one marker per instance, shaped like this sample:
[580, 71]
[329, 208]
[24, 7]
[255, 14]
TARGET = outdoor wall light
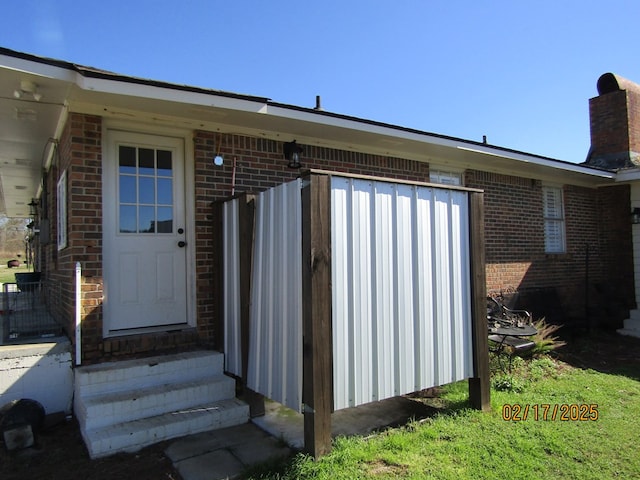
[635, 216]
[33, 208]
[292, 153]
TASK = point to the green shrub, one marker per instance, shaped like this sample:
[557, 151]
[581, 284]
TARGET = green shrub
[508, 383]
[545, 339]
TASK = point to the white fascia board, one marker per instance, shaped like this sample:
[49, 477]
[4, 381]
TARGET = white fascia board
[628, 175]
[433, 139]
[354, 124]
[540, 161]
[153, 92]
[37, 68]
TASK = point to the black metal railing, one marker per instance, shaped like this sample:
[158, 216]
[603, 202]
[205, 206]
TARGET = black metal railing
[26, 307]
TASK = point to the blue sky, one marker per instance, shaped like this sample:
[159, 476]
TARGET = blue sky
[519, 72]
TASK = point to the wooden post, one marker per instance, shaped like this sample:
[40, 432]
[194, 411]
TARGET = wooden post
[246, 214]
[317, 390]
[479, 384]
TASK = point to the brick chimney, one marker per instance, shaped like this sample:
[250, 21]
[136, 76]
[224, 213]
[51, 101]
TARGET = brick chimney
[615, 124]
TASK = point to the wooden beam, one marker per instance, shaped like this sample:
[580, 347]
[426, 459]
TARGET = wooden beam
[246, 214]
[479, 384]
[317, 390]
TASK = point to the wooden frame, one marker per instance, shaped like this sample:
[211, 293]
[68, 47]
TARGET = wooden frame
[317, 390]
[317, 351]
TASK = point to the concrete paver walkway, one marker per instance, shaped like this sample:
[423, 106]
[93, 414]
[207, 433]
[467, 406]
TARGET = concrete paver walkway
[226, 453]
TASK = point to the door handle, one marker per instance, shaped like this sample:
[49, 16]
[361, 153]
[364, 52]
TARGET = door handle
[182, 244]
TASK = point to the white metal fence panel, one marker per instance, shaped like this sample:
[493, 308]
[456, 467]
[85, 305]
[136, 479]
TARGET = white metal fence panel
[231, 287]
[401, 289]
[275, 350]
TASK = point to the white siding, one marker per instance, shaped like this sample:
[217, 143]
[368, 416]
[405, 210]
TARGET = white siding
[401, 289]
[231, 267]
[275, 344]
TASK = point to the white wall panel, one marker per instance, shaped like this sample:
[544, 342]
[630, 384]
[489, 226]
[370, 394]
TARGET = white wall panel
[275, 344]
[231, 285]
[401, 289]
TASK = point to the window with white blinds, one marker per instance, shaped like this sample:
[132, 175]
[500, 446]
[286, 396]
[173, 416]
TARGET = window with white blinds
[445, 177]
[554, 228]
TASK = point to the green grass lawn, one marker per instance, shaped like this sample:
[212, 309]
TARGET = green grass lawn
[461, 443]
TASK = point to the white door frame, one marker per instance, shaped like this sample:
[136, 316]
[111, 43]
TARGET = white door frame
[188, 190]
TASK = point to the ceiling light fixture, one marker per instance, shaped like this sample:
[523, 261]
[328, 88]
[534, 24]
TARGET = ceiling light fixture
[28, 88]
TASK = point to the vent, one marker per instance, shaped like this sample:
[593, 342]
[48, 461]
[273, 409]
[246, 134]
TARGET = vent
[26, 114]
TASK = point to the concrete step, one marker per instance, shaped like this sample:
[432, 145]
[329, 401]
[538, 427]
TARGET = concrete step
[105, 409]
[127, 405]
[632, 324]
[134, 435]
[132, 374]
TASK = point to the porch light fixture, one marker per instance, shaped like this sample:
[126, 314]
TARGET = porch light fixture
[33, 208]
[635, 216]
[292, 153]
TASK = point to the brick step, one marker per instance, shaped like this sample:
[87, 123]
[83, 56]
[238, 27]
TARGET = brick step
[106, 409]
[134, 435]
[132, 374]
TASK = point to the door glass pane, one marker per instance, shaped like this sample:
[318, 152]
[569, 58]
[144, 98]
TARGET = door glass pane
[127, 158]
[146, 159]
[128, 222]
[147, 219]
[165, 191]
[164, 163]
[146, 189]
[165, 220]
[145, 196]
[127, 189]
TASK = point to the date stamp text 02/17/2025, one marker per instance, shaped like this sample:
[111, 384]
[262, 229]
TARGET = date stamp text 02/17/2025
[564, 412]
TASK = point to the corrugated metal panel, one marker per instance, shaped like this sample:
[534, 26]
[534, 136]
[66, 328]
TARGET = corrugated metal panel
[401, 289]
[231, 266]
[275, 352]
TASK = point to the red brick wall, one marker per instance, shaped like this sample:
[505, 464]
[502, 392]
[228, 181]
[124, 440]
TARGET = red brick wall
[614, 296]
[260, 165]
[514, 227]
[598, 249]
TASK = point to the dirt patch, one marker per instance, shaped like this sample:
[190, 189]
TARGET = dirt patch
[60, 453]
[386, 470]
[605, 352]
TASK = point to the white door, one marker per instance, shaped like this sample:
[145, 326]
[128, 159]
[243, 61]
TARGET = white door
[145, 274]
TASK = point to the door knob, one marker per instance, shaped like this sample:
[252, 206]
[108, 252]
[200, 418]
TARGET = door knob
[182, 244]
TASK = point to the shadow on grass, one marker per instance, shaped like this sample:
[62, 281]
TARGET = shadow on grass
[603, 351]
[400, 412]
